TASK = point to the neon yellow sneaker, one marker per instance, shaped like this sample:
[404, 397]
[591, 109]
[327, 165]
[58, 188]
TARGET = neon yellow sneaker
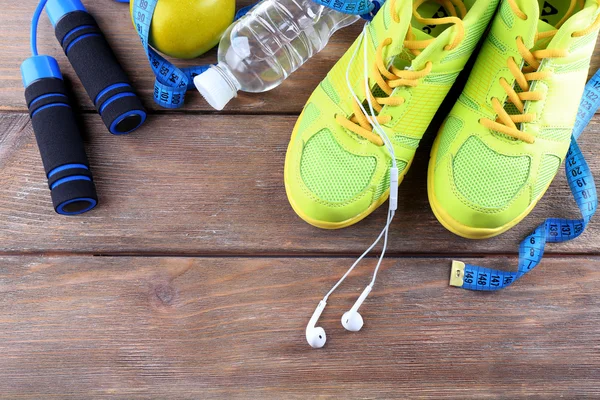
[504, 140]
[337, 168]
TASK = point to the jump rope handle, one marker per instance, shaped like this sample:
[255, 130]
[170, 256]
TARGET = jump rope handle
[58, 138]
[96, 66]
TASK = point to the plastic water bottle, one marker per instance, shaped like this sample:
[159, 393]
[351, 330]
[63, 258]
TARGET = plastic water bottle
[262, 48]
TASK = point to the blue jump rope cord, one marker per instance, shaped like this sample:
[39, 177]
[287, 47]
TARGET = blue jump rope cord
[34, 25]
[172, 83]
[555, 230]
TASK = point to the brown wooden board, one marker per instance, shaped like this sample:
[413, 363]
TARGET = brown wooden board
[114, 20]
[101, 327]
[205, 184]
[230, 324]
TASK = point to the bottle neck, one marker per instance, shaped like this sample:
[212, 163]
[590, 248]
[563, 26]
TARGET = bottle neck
[335, 19]
[228, 77]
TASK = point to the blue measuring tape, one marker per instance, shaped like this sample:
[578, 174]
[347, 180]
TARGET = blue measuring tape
[172, 83]
[553, 230]
[357, 7]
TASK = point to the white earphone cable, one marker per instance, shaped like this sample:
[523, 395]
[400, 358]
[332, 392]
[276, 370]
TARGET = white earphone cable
[383, 232]
[374, 122]
[388, 144]
[385, 242]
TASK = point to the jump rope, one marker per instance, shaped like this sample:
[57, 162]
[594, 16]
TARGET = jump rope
[71, 183]
[59, 140]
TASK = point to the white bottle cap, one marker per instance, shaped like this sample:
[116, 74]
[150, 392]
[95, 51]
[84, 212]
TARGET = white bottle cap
[215, 89]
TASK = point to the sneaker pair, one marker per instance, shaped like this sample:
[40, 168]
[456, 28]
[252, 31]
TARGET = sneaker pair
[498, 149]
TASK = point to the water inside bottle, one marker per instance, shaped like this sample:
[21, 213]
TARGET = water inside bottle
[275, 39]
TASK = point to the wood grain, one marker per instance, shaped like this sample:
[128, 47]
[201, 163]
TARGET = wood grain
[209, 185]
[230, 324]
[129, 327]
[114, 20]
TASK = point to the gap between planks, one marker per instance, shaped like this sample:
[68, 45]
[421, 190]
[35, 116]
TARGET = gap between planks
[270, 255]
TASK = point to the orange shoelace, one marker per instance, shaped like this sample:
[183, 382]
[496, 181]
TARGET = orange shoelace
[388, 79]
[506, 123]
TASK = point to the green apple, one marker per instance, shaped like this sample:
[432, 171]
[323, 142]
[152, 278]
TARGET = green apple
[189, 28]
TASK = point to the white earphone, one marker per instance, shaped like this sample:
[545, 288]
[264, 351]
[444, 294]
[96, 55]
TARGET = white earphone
[315, 336]
[352, 320]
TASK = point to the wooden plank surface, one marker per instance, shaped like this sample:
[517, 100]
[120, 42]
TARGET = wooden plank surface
[201, 184]
[223, 315]
[130, 327]
[114, 20]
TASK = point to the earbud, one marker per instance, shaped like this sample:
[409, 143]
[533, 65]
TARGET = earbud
[315, 335]
[352, 320]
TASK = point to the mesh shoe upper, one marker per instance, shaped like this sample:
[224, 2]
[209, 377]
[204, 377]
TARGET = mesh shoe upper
[335, 177]
[482, 181]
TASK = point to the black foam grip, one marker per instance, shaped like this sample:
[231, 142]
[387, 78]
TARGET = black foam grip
[57, 176]
[74, 197]
[61, 146]
[42, 87]
[99, 71]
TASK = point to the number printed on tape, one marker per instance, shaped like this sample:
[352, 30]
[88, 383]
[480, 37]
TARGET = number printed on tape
[171, 82]
[581, 182]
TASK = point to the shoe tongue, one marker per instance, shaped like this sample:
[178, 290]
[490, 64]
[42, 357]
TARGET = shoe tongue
[406, 16]
[397, 31]
[404, 59]
[419, 34]
[543, 27]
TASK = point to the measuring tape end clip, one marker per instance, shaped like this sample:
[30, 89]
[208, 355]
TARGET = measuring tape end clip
[457, 273]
